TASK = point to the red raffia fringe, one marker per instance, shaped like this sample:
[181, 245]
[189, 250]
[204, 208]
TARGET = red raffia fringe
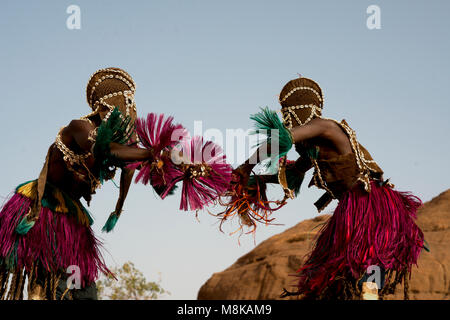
[249, 203]
[204, 173]
[158, 134]
[375, 228]
[56, 241]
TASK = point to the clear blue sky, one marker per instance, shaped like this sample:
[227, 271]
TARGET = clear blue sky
[219, 61]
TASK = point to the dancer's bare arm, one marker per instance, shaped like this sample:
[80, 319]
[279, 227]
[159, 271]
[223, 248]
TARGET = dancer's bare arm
[126, 177]
[316, 128]
[127, 153]
[80, 130]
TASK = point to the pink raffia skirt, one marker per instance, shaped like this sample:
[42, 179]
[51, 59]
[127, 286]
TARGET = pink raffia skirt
[60, 238]
[366, 229]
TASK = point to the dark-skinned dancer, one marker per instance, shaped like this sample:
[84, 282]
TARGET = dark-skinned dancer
[372, 229]
[44, 228]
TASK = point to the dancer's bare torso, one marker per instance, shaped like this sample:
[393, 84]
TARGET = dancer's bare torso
[77, 184]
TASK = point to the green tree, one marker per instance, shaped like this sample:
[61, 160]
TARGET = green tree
[130, 285]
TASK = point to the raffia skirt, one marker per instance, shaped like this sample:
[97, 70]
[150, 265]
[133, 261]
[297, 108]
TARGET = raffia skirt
[366, 229]
[60, 238]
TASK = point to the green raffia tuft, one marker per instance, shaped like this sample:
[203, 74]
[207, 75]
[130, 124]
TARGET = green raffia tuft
[24, 226]
[252, 185]
[116, 129]
[294, 180]
[265, 122]
[110, 223]
[313, 152]
[426, 246]
[88, 215]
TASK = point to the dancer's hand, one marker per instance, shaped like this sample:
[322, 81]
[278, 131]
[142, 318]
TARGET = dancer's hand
[243, 172]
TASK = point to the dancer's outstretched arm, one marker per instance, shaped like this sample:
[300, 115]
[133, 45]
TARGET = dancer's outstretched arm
[316, 128]
[126, 153]
[79, 130]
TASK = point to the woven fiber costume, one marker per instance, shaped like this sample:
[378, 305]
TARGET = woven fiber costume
[44, 228]
[373, 224]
